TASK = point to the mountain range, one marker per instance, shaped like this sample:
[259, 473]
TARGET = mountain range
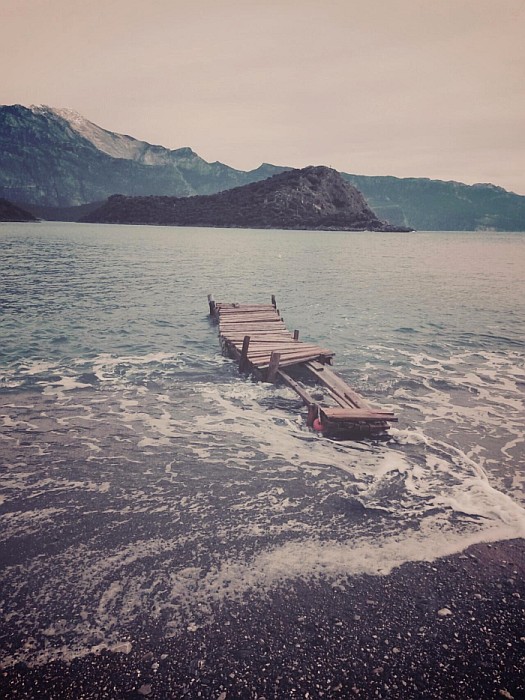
[56, 158]
[58, 165]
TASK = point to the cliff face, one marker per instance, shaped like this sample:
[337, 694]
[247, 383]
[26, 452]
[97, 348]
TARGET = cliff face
[311, 198]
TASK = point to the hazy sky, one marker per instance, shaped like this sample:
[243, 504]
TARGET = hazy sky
[426, 88]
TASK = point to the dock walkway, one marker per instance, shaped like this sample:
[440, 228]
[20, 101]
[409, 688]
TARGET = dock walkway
[255, 335]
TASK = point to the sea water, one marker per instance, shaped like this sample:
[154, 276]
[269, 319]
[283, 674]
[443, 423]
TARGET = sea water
[143, 481]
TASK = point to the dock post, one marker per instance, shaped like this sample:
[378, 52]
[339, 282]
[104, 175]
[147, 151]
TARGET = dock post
[296, 335]
[312, 415]
[273, 367]
[243, 361]
[274, 303]
[211, 303]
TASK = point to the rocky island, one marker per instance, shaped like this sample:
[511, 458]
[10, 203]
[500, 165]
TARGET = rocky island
[315, 198]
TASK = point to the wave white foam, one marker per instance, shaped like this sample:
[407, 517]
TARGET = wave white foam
[233, 462]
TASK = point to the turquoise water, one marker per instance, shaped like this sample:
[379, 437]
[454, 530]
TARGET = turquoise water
[144, 481]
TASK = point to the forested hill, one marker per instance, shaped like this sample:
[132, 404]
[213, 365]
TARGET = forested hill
[311, 198]
[10, 212]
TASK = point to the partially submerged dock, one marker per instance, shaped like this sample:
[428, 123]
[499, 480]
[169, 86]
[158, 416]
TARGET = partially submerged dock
[255, 335]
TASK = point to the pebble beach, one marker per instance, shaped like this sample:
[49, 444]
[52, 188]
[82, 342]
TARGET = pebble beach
[452, 628]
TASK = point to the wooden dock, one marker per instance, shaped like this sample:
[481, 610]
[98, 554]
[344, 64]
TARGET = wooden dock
[255, 335]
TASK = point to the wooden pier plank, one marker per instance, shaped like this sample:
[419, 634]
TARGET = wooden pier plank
[259, 336]
[289, 363]
[249, 318]
[357, 414]
[226, 308]
[301, 391]
[249, 323]
[267, 331]
[256, 349]
[244, 311]
[272, 348]
[335, 383]
[242, 318]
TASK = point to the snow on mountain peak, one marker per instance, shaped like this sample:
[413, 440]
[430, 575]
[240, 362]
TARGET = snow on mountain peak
[115, 145]
[69, 115]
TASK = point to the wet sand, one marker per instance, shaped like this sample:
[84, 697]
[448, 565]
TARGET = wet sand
[452, 628]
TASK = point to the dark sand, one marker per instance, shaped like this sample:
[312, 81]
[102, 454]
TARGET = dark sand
[373, 637]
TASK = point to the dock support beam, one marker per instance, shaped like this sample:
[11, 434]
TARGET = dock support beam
[243, 361]
[296, 335]
[211, 303]
[308, 400]
[273, 367]
[274, 303]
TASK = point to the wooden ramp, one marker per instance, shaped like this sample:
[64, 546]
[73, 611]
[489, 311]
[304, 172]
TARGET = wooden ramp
[255, 335]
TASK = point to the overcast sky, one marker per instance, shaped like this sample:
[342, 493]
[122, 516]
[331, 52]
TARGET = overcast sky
[424, 88]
